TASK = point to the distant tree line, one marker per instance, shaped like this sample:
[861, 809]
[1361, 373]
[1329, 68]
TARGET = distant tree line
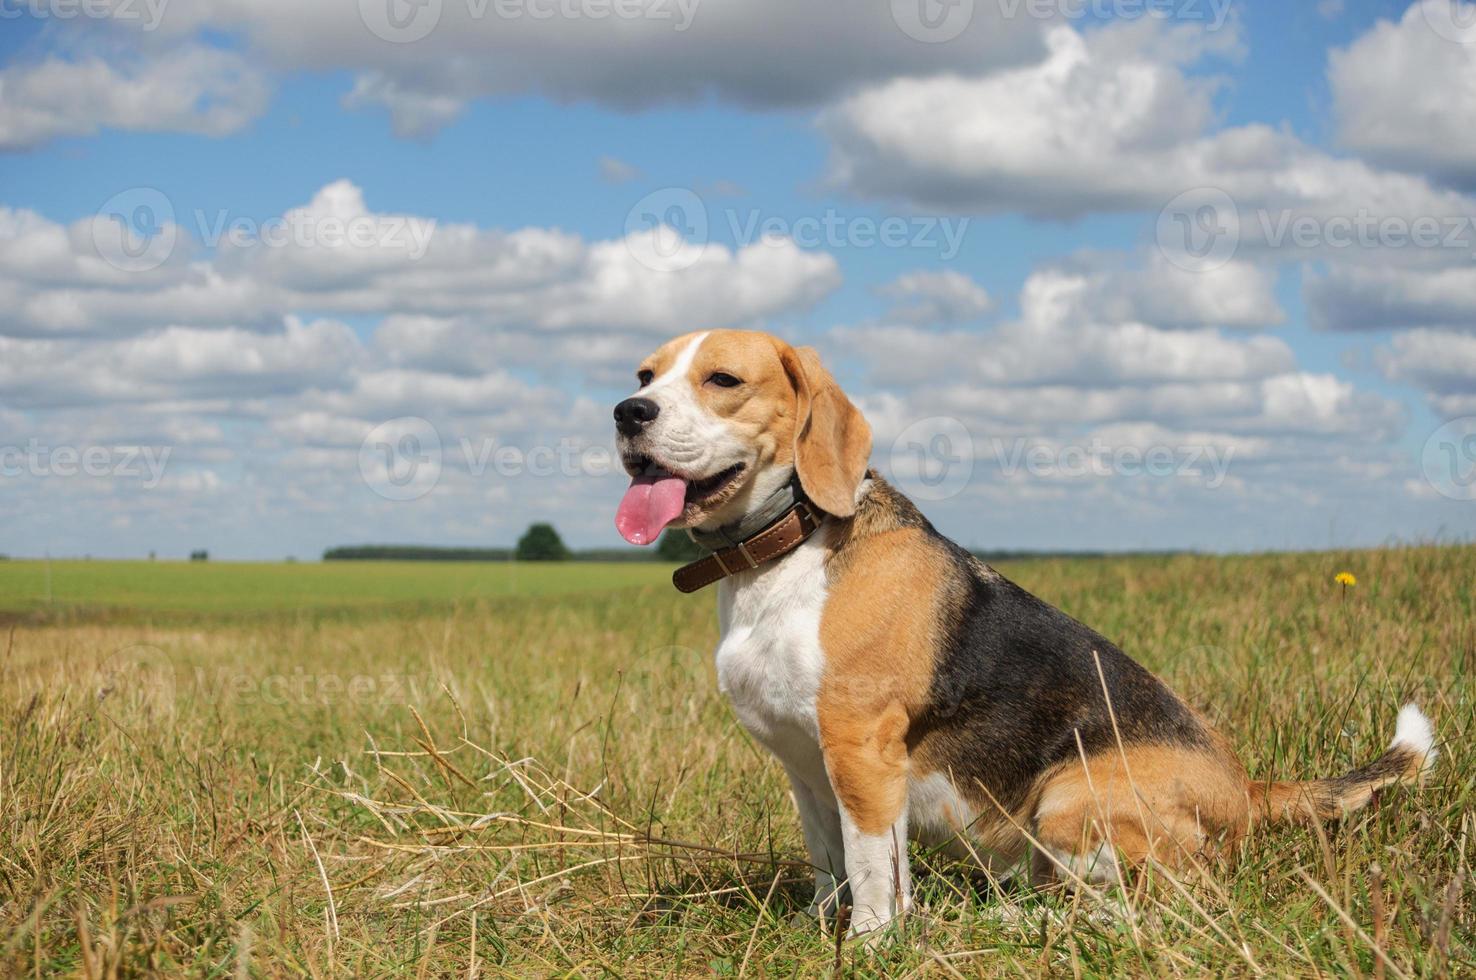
[415, 552]
[987, 555]
[541, 542]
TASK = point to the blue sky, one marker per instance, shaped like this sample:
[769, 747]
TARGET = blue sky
[1294, 395]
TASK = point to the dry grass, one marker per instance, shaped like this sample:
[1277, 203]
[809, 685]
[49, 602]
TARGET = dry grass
[552, 785]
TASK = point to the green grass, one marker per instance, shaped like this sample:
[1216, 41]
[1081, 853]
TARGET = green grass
[516, 771]
[252, 587]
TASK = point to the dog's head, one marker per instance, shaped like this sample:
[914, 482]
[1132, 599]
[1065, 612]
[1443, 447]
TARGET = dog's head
[721, 421]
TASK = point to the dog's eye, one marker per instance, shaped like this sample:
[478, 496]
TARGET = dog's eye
[645, 377]
[723, 380]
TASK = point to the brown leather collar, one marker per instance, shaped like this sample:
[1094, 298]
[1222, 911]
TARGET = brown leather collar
[778, 539]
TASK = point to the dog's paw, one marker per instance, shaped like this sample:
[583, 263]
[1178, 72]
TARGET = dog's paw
[870, 927]
[874, 927]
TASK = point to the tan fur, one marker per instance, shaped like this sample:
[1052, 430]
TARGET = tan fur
[1163, 802]
[1316, 800]
[833, 442]
[877, 668]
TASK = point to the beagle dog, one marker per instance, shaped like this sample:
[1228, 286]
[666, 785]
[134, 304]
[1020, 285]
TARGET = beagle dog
[909, 689]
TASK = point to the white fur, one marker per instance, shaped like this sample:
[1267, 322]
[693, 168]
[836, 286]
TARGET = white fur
[679, 368]
[877, 871]
[936, 809]
[769, 665]
[1097, 867]
[1414, 731]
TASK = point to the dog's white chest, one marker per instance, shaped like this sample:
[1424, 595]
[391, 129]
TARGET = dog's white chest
[769, 661]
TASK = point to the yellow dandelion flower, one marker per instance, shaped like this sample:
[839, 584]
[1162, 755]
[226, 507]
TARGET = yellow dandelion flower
[1345, 579]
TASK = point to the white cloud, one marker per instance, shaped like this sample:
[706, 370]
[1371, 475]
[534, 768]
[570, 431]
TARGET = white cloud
[756, 53]
[177, 362]
[1440, 362]
[1392, 297]
[335, 256]
[193, 89]
[1060, 337]
[1150, 289]
[1405, 95]
[1096, 124]
[1109, 120]
[616, 171]
[936, 296]
[414, 113]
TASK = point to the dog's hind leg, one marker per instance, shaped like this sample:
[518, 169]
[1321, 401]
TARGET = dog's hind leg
[1165, 804]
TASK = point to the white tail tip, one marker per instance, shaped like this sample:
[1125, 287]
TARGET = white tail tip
[1414, 731]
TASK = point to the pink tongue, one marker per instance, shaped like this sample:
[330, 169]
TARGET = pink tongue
[651, 503]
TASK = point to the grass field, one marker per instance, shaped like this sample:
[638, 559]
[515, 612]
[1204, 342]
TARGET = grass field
[460, 770]
[90, 589]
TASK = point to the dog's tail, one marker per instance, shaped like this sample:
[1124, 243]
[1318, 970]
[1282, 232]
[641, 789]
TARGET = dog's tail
[1410, 755]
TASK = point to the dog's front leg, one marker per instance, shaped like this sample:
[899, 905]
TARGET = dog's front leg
[822, 826]
[866, 757]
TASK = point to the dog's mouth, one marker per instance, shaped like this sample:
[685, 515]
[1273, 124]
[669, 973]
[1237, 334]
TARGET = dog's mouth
[657, 496]
[705, 491]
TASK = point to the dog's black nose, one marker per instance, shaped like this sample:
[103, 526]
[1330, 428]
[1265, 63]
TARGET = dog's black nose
[633, 414]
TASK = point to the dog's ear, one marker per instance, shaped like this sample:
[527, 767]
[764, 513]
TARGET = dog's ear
[832, 442]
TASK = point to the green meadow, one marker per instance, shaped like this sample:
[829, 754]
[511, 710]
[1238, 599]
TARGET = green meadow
[462, 769]
[84, 588]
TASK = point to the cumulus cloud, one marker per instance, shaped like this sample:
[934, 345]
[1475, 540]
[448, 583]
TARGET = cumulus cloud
[755, 53]
[1060, 337]
[1404, 94]
[1440, 362]
[941, 296]
[1146, 287]
[192, 89]
[177, 363]
[334, 255]
[1092, 125]
[1391, 298]
[1109, 120]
